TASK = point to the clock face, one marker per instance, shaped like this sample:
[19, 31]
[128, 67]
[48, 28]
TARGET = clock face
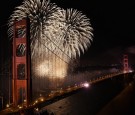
[21, 50]
[21, 32]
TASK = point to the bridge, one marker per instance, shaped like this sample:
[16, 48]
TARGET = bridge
[35, 80]
[55, 95]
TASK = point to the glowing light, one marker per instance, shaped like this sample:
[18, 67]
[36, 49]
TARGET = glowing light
[62, 33]
[42, 99]
[58, 29]
[25, 100]
[130, 70]
[42, 68]
[86, 85]
[47, 68]
[36, 109]
[7, 105]
[20, 107]
[36, 101]
[76, 32]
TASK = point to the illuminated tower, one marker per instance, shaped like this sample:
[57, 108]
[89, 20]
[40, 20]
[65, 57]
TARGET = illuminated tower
[125, 64]
[21, 63]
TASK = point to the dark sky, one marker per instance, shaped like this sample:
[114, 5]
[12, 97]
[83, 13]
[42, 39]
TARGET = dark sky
[113, 22]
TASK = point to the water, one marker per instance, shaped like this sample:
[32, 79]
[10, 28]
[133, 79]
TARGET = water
[88, 101]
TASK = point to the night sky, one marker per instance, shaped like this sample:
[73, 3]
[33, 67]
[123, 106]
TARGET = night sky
[113, 23]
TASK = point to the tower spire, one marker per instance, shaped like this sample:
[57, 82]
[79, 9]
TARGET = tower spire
[125, 63]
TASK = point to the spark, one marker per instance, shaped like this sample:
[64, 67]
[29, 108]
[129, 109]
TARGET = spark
[67, 31]
[52, 67]
[62, 33]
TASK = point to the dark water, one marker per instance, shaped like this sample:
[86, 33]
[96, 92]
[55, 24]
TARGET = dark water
[88, 101]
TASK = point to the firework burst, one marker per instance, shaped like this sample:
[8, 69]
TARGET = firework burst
[65, 32]
[40, 13]
[52, 67]
[75, 32]
[55, 32]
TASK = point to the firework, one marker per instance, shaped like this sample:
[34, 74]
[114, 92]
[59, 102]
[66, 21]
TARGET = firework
[40, 13]
[55, 32]
[75, 32]
[67, 31]
[52, 67]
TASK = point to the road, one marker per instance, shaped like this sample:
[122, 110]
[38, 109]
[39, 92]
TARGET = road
[122, 104]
